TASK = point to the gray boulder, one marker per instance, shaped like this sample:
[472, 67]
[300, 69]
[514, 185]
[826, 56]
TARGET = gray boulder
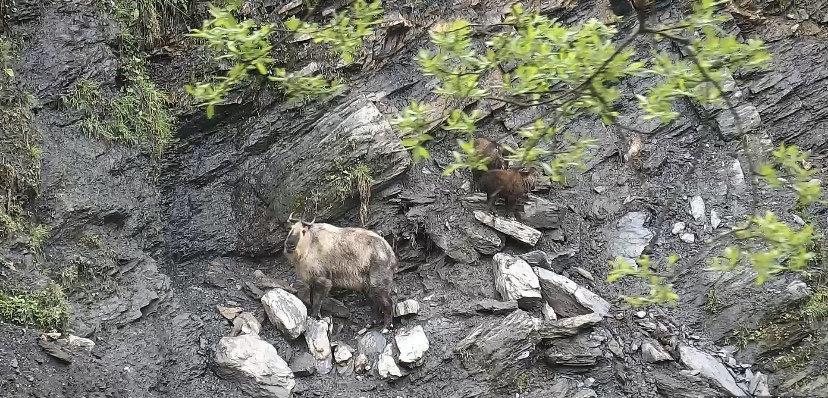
[652, 351]
[711, 368]
[371, 344]
[515, 280]
[343, 353]
[568, 298]
[245, 323]
[407, 307]
[285, 311]
[303, 364]
[412, 344]
[387, 367]
[541, 213]
[500, 345]
[628, 238]
[521, 232]
[681, 384]
[578, 351]
[355, 132]
[255, 365]
[571, 326]
[316, 336]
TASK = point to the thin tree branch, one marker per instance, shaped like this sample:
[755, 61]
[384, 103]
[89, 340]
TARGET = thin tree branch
[693, 55]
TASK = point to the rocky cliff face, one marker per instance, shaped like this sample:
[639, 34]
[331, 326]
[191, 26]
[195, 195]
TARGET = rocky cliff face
[499, 309]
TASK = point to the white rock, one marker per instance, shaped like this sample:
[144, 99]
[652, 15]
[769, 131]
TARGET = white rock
[678, 228]
[255, 365]
[514, 279]
[710, 367]
[316, 336]
[245, 323]
[285, 311]
[629, 237]
[342, 353]
[407, 307]
[521, 232]
[641, 314]
[548, 312]
[737, 177]
[70, 341]
[412, 344]
[759, 385]
[697, 209]
[563, 294]
[586, 274]
[688, 237]
[570, 326]
[228, 312]
[386, 365]
[715, 220]
[798, 220]
[652, 351]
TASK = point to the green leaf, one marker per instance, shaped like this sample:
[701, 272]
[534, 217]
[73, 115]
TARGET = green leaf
[292, 23]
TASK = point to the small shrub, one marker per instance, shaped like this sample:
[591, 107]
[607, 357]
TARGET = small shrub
[817, 306]
[363, 181]
[37, 237]
[19, 150]
[9, 225]
[46, 308]
[138, 115]
[92, 241]
[83, 275]
[144, 22]
[712, 304]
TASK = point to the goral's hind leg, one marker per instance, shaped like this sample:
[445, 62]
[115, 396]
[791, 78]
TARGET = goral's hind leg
[384, 306]
[386, 309]
[319, 291]
[491, 199]
[381, 279]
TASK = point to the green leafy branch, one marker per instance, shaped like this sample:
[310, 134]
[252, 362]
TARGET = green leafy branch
[572, 70]
[247, 46]
[345, 32]
[770, 246]
[660, 291]
[790, 168]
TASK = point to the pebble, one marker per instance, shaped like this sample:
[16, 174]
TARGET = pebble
[586, 274]
[688, 237]
[678, 227]
[641, 314]
[715, 220]
[697, 208]
[14, 363]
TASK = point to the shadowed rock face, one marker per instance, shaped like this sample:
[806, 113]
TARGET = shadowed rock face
[181, 236]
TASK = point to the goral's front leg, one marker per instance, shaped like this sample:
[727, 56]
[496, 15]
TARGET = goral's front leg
[319, 291]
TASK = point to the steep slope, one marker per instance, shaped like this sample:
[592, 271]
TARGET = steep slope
[165, 241]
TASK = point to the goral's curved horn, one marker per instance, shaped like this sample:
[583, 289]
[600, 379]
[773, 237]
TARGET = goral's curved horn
[291, 219]
[309, 223]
